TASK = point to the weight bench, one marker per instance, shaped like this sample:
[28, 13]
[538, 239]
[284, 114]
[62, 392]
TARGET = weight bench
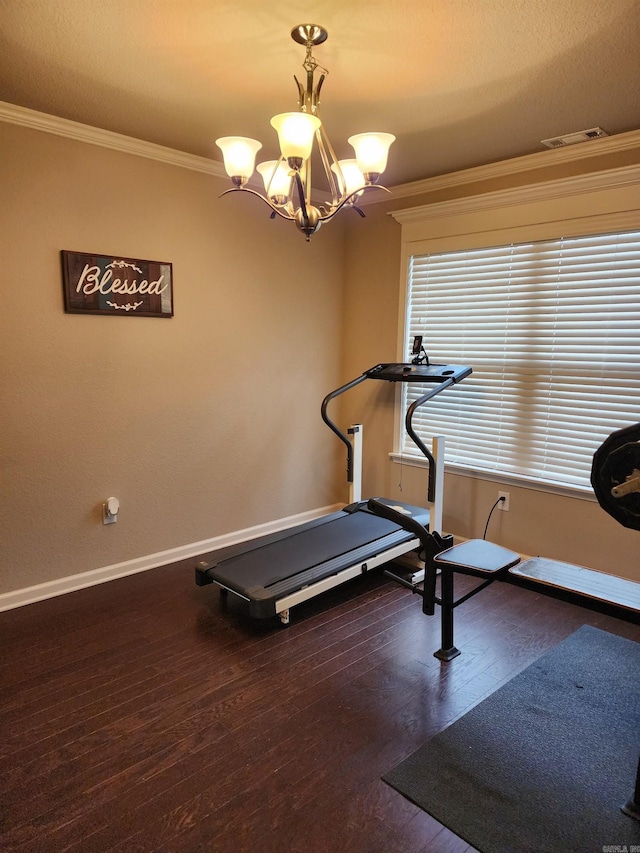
[483, 559]
[490, 562]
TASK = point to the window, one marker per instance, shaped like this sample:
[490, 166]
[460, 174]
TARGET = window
[552, 332]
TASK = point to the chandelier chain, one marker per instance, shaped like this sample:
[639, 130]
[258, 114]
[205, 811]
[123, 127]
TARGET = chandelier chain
[311, 63]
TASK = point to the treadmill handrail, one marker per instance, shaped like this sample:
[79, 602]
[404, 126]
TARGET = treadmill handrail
[441, 384]
[431, 487]
[325, 417]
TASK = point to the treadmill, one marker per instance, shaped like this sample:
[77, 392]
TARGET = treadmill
[275, 572]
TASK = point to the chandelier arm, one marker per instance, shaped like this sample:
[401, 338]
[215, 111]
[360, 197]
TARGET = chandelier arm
[323, 140]
[303, 206]
[284, 215]
[349, 197]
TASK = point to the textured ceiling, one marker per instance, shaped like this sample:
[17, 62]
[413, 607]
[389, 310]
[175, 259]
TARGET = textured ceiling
[460, 83]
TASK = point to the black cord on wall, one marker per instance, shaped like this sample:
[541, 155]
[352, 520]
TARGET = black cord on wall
[486, 527]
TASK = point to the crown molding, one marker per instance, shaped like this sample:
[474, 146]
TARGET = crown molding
[625, 176]
[25, 117]
[527, 163]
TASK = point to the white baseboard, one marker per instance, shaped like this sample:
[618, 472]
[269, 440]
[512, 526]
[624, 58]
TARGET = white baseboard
[61, 586]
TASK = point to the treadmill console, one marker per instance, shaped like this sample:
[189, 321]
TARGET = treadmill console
[418, 372]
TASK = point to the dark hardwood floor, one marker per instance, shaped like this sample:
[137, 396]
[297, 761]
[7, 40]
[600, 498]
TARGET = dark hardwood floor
[138, 716]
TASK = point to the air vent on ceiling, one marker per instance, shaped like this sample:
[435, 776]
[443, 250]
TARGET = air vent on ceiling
[572, 138]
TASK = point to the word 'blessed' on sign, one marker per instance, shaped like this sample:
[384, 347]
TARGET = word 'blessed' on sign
[105, 284]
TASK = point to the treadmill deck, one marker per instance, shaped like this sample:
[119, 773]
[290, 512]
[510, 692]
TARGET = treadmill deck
[276, 571]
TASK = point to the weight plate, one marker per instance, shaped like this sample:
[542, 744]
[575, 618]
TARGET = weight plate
[615, 462]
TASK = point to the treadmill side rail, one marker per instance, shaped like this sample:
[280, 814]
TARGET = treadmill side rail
[304, 594]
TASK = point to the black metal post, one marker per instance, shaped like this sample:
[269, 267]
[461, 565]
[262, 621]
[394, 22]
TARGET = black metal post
[447, 650]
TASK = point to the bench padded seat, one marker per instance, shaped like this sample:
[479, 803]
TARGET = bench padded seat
[477, 557]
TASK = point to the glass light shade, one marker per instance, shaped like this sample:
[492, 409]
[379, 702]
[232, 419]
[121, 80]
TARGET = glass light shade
[353, 177]
[277, 179]
[239, 154]
[372, 150]
[295, 134]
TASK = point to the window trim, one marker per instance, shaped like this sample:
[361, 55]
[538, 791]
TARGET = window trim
[602, 202]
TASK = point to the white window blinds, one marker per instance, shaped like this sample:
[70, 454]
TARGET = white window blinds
[552, 332]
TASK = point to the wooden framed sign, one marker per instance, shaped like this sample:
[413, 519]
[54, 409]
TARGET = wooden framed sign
[105, 284]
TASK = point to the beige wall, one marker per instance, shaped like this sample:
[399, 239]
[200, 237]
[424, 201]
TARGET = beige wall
[202, 424]
[565, 528]
[208, 423]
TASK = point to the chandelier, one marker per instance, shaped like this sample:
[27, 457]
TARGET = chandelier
[287, 181]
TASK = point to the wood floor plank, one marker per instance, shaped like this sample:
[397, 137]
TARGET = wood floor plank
[234, 666]
[141, 715]
[242, 698]
[210, 703]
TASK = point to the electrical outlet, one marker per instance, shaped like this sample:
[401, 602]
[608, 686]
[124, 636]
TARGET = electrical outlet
[504, 503]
